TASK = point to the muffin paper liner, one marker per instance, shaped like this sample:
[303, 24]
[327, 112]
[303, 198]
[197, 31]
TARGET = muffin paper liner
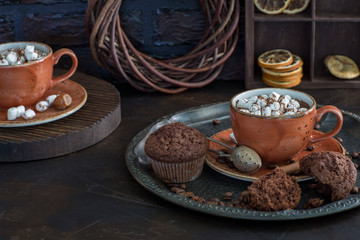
[178, 172]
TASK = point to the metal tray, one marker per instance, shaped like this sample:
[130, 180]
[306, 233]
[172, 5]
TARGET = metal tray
[212, 184]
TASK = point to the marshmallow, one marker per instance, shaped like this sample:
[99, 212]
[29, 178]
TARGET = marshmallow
[264, 96]
[302, 109]
[256, 113]
[50, 99]
[275, 106]
[289, 113]
[29, 114]
[288, 97]
[12, 113]
[274, 96]
[244, 110]
[31, 56]
[295, 103]
[241, 103]
[4, 62]
[266, 111]
[261, 102]
[276, 113]
[12, 58]
[284, 100]
[42, 106]
[29, 48]
[290, 106]
[254, 108]
[253, 99]
[20, 110]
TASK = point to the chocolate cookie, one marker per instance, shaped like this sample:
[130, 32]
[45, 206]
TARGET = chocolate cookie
[334, 171]
[274, 191]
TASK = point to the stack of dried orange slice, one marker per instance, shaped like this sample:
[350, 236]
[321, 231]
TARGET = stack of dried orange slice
[281, 6]
[280, 68]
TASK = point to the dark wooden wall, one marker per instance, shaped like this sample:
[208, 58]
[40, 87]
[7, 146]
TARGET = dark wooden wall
[162, 28]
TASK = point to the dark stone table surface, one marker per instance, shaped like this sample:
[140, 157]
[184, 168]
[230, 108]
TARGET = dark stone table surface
[90, 194]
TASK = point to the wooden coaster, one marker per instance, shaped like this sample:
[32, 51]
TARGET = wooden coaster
[99, 117]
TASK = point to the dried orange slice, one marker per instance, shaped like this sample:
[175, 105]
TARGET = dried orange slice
[281, 84]
[296, 6]
[283, 79]
[342, 67]
[297, 62]
[282, 74]
[272, 6]
[275, 58]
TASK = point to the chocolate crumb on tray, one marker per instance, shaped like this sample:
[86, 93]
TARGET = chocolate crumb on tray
[216, 121]
[314, 203]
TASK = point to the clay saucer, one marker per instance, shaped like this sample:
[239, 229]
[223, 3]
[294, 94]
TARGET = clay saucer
[77, 93]
[329, 144]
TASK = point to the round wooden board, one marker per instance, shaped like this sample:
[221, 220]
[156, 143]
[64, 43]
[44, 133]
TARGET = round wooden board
[97, 119]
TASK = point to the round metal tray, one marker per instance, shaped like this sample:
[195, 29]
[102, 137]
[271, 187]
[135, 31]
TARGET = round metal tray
[212, 184]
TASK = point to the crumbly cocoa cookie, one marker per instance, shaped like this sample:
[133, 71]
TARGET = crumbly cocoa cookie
[334, 171]
[274, 191]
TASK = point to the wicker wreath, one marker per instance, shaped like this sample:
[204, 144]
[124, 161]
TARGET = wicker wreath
[112, 49]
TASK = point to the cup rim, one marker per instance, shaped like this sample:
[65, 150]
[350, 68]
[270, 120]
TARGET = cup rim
[32, 62]
[237, 110]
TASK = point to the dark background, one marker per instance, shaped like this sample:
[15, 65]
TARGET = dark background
[161, 28]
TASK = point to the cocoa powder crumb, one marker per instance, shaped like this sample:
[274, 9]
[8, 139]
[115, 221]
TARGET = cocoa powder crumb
[177, 190]
[314, 203]
[339, 139]
[189, 194]
[216, 121]
[214, 199]
[310, 148]
[355, 190]
[271, 166]
[228, 194]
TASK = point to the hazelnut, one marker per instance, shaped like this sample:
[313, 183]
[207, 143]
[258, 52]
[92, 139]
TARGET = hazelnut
[62, 101]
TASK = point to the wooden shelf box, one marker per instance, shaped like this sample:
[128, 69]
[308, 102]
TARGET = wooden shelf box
[326, 27]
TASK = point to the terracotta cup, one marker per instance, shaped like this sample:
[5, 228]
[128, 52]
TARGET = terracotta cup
[25, 84]
[278, 139]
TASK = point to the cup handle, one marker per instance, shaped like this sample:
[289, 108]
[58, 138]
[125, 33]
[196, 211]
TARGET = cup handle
[319, 113]
[56, 57]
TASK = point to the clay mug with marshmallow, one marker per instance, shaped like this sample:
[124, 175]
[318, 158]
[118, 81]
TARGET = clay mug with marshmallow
[278, 139]
[24, 84]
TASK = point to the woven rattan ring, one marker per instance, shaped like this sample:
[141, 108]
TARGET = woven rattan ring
[112, 49]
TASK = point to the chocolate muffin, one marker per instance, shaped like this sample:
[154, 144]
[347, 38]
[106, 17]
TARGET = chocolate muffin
[177, 152]
[335, 173]
[274, 191]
